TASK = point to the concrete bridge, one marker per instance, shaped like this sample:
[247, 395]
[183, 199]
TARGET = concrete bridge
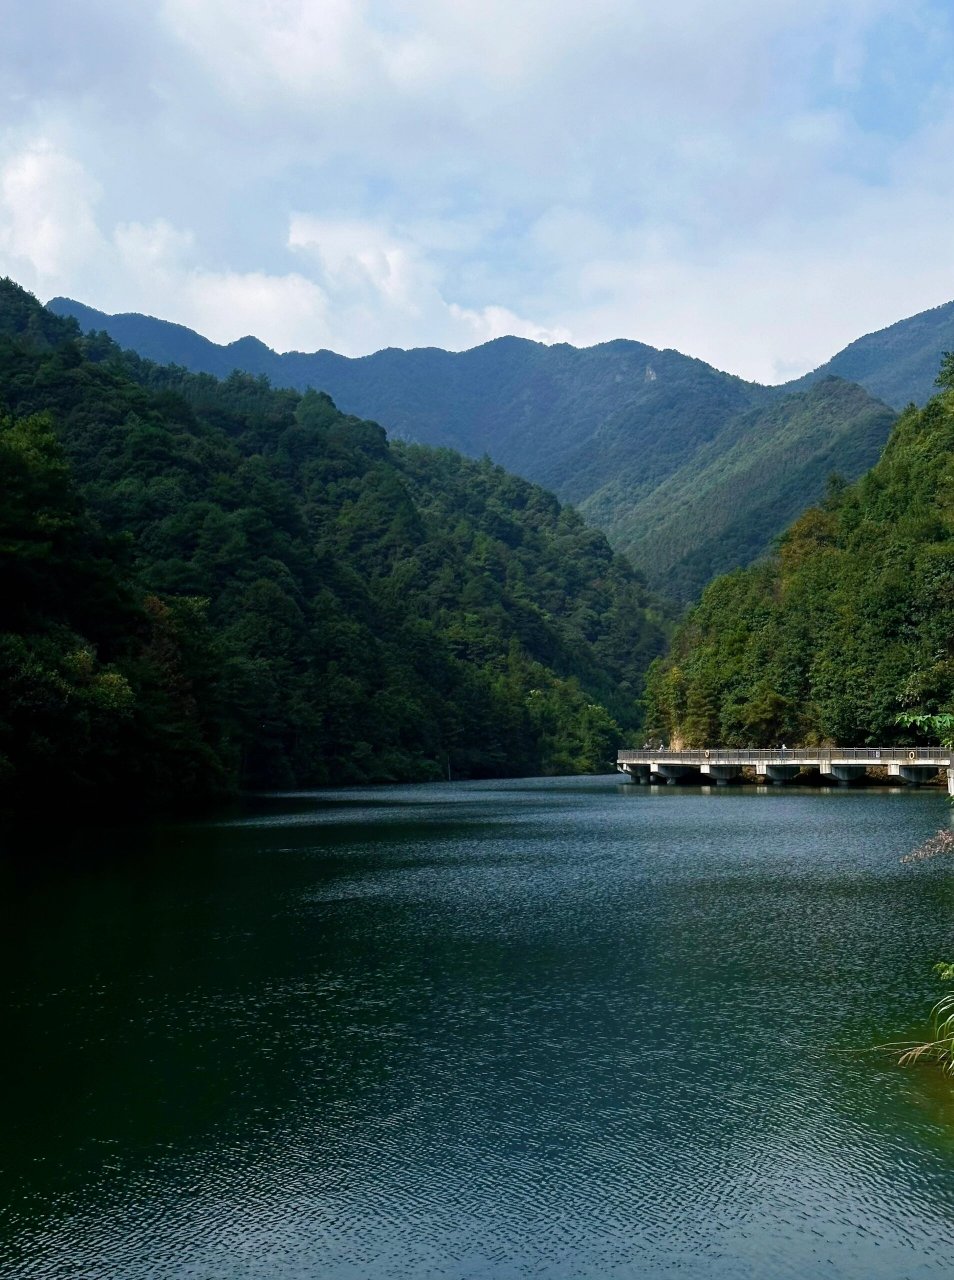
[839, 765]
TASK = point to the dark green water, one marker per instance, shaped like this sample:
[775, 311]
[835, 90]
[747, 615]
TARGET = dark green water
[535, 1029]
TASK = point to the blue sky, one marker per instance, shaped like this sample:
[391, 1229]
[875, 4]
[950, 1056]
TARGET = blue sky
[753, 183]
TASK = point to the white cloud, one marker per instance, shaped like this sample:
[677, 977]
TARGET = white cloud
[786, 300]
[754, 183]
[363, 287]
[51, 242]
[485, 323]
[152, 255]
[256, 48]
[159, 262]
[47, 225]
[363, 259]
[511, 98]
[298, 50]
[386, 289]
[284, 311]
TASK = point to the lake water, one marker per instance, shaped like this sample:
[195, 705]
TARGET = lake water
[569, 1028]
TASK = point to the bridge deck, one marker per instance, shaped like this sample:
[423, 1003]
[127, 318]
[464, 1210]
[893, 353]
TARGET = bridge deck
[941, 757]
[843, 765]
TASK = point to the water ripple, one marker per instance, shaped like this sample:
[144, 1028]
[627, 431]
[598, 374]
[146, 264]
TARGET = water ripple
[547, 1030]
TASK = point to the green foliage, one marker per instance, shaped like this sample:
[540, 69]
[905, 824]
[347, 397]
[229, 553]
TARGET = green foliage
[738, 492]
[847, 635]
[84, 707]
[689, 471]
[940, 1047]
[940, 727]
[209, 584]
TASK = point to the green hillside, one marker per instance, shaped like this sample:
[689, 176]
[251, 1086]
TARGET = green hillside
[850, 626]
[605, 427]
[559, 415]
[213, 583]
[723, 508]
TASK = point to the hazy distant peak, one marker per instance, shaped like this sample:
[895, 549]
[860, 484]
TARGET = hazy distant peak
[899, 363]
[605, 426]
[249, 344]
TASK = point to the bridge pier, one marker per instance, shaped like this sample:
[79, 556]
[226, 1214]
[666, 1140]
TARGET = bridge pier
[721, 774]
[671, 773]
[914, 774]
[844, 774]
[636, 773]
[778, 774]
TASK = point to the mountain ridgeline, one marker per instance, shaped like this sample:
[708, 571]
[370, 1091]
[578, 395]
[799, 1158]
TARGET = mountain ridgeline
[212, 584]
[688, 470]
[848, 630]
[898, 364]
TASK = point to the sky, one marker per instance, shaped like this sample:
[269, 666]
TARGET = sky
[753, 182]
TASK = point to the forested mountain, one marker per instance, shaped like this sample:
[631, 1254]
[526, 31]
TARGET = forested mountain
[535, 409]
[604, 427]
[214, 583]
[848, 628]
[723, 508]
[897, 364]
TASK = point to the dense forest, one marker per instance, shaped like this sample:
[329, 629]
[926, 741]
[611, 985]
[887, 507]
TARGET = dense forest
[689, 471]
[724, 507]
[848, 630]
[215, 584]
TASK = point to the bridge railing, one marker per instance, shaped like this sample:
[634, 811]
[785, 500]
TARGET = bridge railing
[790, 755]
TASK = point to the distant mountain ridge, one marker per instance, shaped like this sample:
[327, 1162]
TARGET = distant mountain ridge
[606, 427]
[441, 397]
[898, 364]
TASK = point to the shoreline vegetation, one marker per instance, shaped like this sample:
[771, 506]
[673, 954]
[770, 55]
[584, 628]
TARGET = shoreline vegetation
[846, 634]
[939, 1047]
[212, 586]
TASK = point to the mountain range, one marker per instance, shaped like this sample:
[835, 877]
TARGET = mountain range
[689, 470]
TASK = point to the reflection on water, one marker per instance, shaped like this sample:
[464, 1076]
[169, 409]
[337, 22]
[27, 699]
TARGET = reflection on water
[557, 1029]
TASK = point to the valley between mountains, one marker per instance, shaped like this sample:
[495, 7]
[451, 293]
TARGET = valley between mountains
[212, 582]
[690, 471]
